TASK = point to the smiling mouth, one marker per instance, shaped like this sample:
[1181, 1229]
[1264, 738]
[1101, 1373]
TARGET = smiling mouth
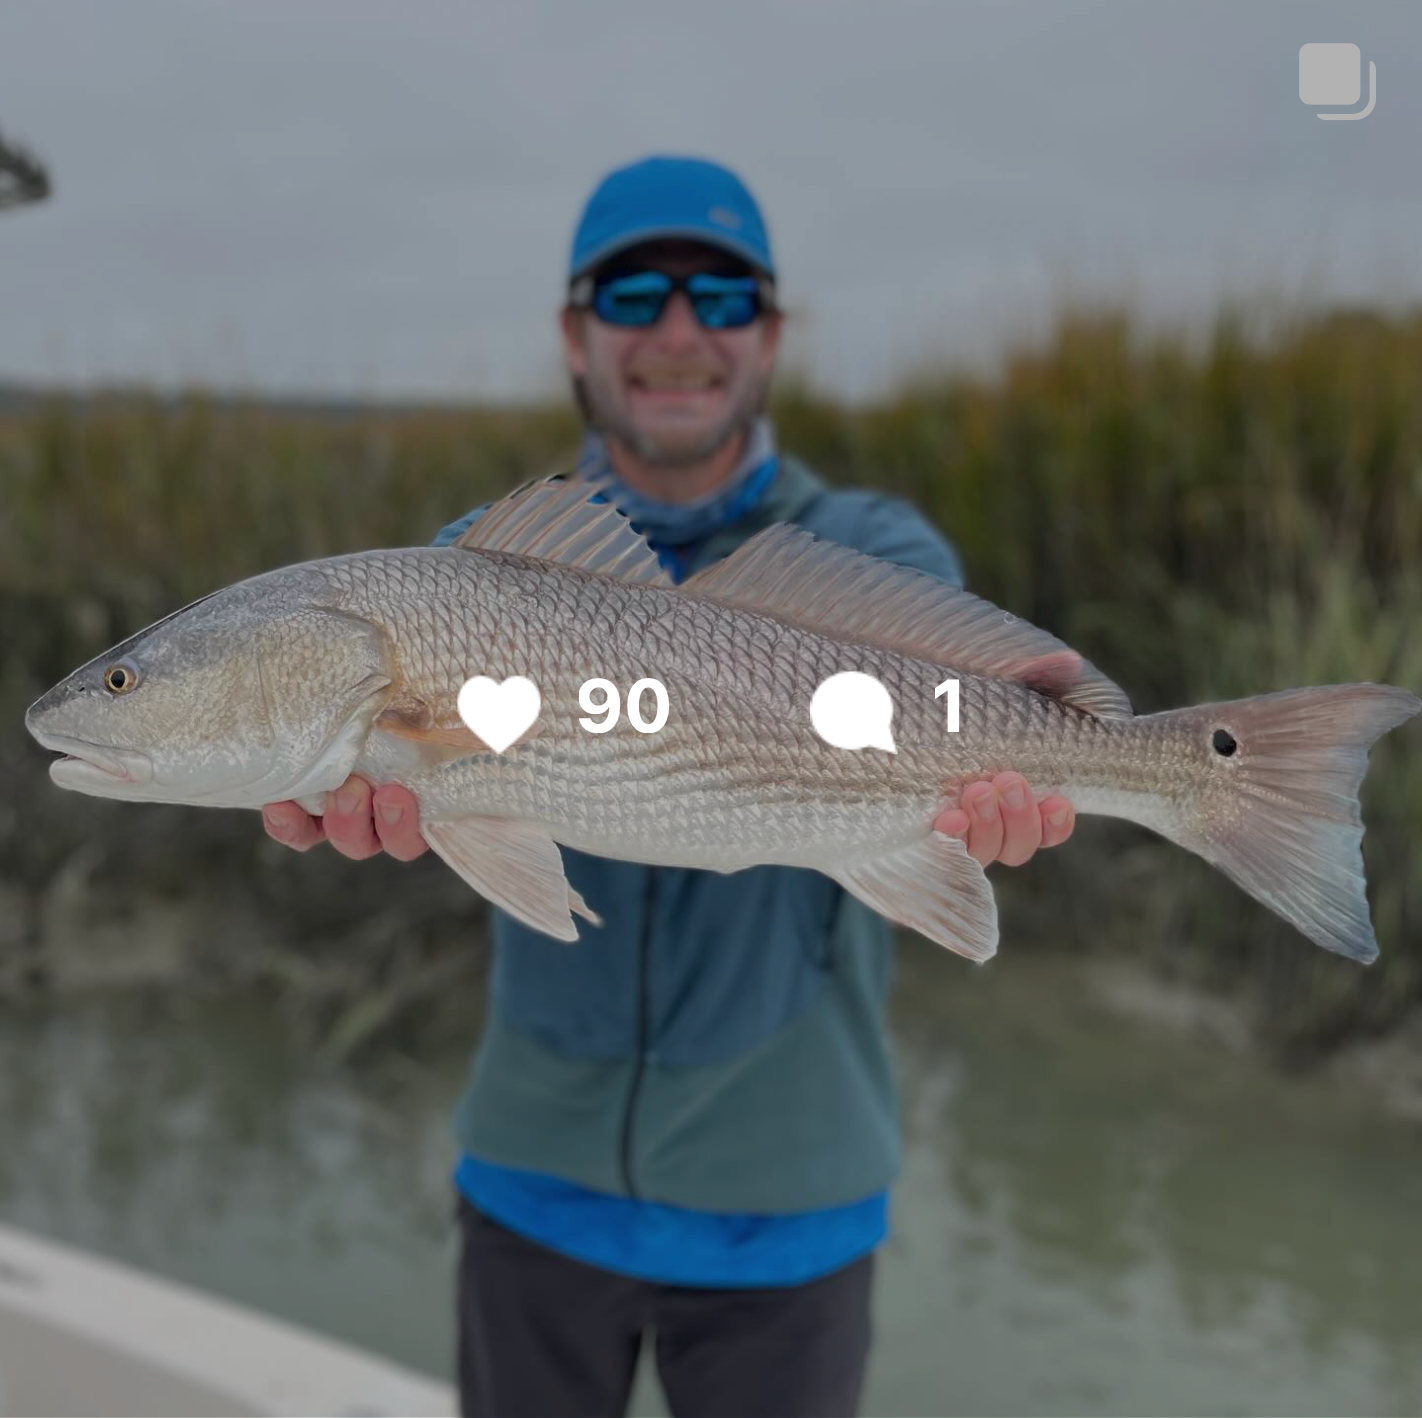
[675, 383]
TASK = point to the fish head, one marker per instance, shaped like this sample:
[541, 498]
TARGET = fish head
[254, 694]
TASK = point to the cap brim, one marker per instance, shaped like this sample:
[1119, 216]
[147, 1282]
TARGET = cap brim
[720, 240]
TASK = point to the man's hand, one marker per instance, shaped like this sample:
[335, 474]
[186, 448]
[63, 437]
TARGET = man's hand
[1000, 822]
[358, 823]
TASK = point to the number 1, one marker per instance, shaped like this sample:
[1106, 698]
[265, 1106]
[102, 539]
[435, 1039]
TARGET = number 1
[950, 687]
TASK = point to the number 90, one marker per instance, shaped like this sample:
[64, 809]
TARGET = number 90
[600, 696]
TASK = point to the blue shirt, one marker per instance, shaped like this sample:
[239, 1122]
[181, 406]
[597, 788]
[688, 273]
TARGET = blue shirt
[672, 1244]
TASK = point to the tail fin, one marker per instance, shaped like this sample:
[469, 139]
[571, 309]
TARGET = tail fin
[1291, 835]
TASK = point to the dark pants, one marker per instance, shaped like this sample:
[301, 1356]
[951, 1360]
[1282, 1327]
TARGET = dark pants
[545, 1336]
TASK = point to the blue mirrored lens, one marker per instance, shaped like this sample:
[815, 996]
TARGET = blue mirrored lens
[633, 300]
[724, 302]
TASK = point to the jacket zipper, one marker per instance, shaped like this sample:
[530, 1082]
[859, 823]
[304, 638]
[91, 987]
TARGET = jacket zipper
[644, 1010]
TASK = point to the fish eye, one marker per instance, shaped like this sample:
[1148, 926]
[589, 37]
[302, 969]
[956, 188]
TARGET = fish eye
[122, 677]
[1224, 742]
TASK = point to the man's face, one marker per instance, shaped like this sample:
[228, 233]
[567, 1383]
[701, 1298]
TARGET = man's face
[672, 392]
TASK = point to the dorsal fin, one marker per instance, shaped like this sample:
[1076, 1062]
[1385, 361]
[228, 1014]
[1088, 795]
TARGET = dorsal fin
[554, 519]
[790, 574]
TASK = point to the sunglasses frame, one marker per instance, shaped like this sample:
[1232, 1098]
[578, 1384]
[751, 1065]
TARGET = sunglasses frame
[582, 292]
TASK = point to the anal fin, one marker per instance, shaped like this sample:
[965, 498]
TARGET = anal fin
[515, 865]
[933, 887]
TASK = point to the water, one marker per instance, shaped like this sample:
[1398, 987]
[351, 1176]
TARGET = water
[1093, 1217]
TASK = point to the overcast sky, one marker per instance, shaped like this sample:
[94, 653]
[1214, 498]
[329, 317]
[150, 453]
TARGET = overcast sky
[350, 198]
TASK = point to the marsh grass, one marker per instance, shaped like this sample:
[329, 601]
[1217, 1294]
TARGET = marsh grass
[1203, 520]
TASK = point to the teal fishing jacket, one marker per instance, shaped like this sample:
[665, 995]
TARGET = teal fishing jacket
[718, 1042]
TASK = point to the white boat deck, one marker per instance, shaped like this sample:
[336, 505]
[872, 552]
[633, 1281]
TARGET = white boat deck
[80, 1335]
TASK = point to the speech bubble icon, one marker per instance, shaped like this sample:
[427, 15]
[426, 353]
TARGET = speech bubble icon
[499, 713]
[853, 710]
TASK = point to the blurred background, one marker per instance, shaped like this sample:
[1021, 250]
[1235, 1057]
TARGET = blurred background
[1088, 282]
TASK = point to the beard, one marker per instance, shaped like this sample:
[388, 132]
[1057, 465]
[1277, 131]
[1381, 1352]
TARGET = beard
[670, 448]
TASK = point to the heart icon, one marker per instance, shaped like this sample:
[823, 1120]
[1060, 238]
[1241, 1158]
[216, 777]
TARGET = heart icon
[499, 713]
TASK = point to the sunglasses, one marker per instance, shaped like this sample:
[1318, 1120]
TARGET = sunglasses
[638, 299]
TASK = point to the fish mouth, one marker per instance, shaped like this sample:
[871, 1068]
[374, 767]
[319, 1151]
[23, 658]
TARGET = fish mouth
[89, 765]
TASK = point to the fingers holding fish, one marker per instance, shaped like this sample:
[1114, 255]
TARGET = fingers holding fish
[1058, 819]
[953, 822]
[350, 822]
[396, 814]
[362, 822]
[293, 827]
[1021, 819]
[1021, 837]
[999, 821]
[985, 833]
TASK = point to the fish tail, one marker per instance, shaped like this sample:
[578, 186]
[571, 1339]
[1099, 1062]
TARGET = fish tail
[1282, 820]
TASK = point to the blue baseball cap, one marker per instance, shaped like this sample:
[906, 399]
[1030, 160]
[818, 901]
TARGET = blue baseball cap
[659, 197]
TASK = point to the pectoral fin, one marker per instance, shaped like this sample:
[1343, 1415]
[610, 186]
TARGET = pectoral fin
[517, 866]
[933, 887]
[412, 719]
[455, 736]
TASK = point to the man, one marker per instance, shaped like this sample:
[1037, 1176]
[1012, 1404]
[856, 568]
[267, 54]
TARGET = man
[686, 1120]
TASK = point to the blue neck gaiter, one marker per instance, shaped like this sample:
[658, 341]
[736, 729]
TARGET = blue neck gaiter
[671, 527]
